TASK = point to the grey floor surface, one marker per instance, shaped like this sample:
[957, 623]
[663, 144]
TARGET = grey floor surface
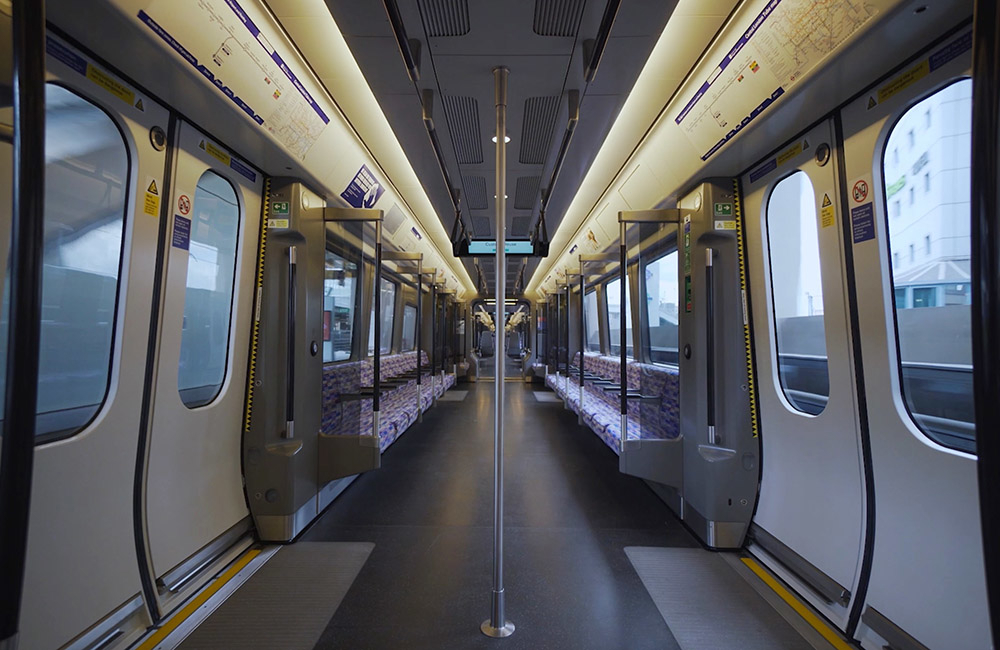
[544, 396]
[708, 605]
[569, 516]
[287, 603]
[454, 396]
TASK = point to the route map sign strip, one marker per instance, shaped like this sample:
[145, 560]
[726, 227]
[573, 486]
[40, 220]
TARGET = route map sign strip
[786, 40]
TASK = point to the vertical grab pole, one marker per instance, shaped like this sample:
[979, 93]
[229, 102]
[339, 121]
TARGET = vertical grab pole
[434, 341]
[376, 368]
[710, 343]
[497, 626]
[583, 339]
[290, 338]
[622, 338]
[27, 237]
[420, 347]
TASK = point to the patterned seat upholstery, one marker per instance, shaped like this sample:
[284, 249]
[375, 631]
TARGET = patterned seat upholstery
[647, 419]
[397, 407]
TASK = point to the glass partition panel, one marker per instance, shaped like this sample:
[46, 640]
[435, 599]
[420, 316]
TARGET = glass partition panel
[409, 328]
[612, 295]
[662, 299]
[592, 322]
[339, 294]
[388, 310]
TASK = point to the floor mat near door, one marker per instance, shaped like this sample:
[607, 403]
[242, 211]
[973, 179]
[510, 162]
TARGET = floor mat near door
[288, 602]
[707, 605]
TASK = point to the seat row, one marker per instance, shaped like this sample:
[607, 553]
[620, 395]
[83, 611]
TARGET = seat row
[653, 392]
[348, 404]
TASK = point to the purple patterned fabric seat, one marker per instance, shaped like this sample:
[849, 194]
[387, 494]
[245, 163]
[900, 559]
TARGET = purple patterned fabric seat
[657, 418]
[397, 407]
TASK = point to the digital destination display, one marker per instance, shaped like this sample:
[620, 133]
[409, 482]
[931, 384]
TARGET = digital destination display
[511, 247]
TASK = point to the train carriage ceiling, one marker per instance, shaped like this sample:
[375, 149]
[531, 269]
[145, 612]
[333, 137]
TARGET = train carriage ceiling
[457, 43]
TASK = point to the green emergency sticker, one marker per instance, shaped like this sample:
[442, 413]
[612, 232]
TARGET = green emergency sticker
[280, 207]
[723, 209]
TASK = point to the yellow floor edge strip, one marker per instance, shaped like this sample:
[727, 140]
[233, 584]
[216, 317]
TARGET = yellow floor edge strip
[162, 633]
[802, 610]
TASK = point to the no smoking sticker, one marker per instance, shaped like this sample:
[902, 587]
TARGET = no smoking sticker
[184, 204]
[860, 192]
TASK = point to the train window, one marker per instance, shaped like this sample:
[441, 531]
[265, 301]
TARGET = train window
[662, 296]
[612, 294]
[208, 298]
[409, 327]
[388, 309]
[81, 263]
[591, 323]
[932, 297]
[339, 292]
[797, 294]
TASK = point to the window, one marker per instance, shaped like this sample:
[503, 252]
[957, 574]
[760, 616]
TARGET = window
[208, 297]
[797, 294]
[388, 309]
[934, 329]
[927, 182]
[612, 294]
[409, 328]
[927, 119]
[913, 255]
[911, 140]
[896, 209]
[913, 196]
[662, 298]
[590, 320]
[895, 156]
[340, 281]
[81, 261]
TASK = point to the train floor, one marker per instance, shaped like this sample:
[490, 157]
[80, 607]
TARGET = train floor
[569, 514]
[426, 519]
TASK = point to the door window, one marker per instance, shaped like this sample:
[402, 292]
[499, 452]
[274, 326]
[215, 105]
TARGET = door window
[932, 292]
[86, 192]
[797, 294]
[208, 296]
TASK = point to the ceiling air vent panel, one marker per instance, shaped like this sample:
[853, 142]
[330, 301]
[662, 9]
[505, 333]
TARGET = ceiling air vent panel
[539, 118]
[558, 17]
[463, 125]
[525, 192]
[519, 227]
[481, 226]
[446, 17]
[394, 218]
[475, 193]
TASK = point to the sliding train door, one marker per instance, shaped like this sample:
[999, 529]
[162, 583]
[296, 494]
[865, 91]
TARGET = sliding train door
[194, 489]
[810, 521]
[104, 185]
[907, 152]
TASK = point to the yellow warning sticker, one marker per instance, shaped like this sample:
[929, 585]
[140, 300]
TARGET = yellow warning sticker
[904, 81]
[151, 204]
[277, 223]
[790, 153]
[725, 224]
[116, 88]
[827, 213]
[216, 152]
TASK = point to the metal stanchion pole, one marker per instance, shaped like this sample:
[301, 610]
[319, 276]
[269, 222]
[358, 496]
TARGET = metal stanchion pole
[497, 625]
